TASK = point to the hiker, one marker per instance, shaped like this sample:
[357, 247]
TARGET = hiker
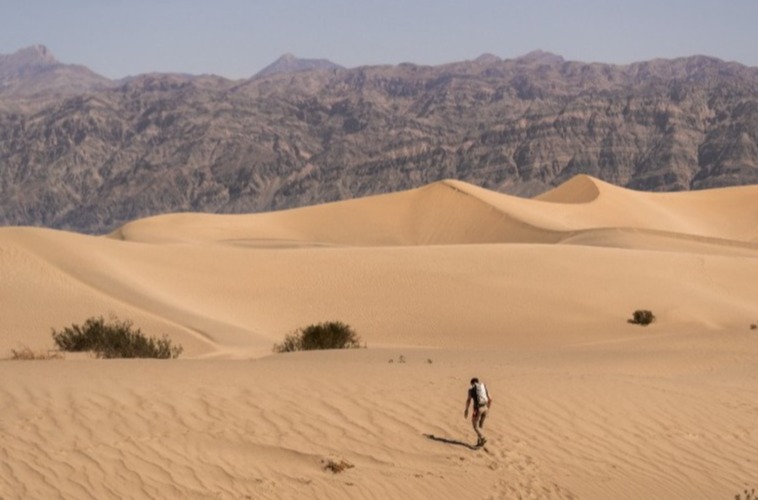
[482, 401]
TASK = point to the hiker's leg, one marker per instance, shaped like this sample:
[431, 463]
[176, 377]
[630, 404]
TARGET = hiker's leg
[482, 416]
[474, 424]
[480, 422]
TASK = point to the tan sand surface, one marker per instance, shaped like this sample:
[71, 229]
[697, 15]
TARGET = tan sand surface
[532, 295]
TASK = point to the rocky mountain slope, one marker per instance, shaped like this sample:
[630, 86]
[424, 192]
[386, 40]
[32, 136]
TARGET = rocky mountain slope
[32, 78]
[92, 158]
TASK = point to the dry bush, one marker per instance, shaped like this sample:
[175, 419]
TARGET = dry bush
[642, 317]
[328, 335]
[27, 354]
[114, 339]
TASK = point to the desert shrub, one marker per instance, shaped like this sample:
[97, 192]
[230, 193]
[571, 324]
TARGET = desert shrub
[27, 354]
[114, 339]
[328, 335]
[754, 326]
[291, 343]
[642, 317]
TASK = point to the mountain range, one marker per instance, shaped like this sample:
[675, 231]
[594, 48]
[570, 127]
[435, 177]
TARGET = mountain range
[81, 152]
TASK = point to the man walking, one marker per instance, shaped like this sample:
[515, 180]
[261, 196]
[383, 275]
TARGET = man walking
[482, 401]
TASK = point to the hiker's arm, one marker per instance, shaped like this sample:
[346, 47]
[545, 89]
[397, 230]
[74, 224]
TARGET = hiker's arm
[468, 402]
[489, 402]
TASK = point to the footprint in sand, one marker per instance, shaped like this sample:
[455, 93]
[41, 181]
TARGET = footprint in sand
[522, 478]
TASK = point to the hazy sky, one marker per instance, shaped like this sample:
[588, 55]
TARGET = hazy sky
[237, 38]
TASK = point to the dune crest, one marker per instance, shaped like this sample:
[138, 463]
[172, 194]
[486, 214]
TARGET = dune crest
[452, 212]
[442, 213]
[578, 189]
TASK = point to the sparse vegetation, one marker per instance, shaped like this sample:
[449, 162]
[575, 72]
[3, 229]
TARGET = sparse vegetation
[27, 354]
[114, 339]
[754, 326]
[642, 317]
[336, 467]
[401, 359]
[328, 335]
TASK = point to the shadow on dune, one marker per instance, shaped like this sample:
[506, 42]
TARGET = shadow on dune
[450, 441]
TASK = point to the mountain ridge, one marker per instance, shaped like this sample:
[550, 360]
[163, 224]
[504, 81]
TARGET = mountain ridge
[289, 63]
[93, 159]
[35, 70]
[34, 55]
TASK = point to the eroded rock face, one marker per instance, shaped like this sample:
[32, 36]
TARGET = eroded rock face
[166, 143]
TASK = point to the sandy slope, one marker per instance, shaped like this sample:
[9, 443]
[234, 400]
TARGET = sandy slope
[669, 417]
[533, 295]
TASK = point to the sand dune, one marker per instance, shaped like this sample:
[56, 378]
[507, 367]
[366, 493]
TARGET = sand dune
[531, 294]
[453, 212]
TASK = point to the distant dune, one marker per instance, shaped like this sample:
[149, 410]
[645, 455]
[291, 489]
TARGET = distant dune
[454, 212]
[532, 294]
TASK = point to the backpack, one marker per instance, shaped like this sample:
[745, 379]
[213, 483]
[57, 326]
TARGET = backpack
[482, 398]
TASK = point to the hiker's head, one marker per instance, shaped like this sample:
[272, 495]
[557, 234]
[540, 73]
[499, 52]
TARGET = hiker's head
[474, 381]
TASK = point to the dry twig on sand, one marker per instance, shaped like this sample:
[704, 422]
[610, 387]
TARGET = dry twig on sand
[337, 467]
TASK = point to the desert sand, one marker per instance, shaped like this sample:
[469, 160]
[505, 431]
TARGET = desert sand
[442, 283]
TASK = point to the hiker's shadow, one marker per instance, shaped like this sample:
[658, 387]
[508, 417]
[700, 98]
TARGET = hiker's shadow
[450, 441]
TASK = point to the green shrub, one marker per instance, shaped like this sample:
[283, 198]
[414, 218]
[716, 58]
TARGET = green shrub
[116, 339]
[328, 335]
[642, 317]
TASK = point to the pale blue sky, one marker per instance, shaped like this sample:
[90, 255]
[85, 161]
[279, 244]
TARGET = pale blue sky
[237, 38]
